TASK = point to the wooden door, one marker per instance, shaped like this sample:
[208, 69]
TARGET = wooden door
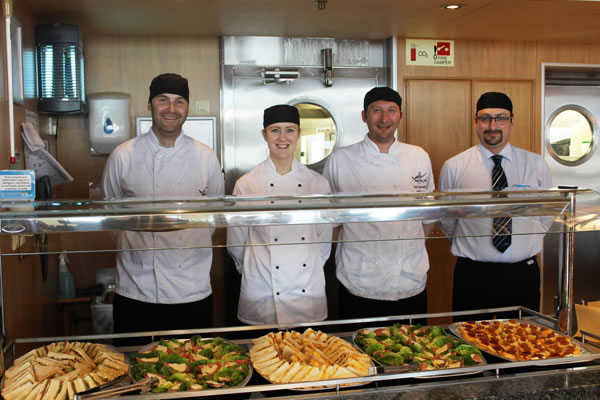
[439, 119]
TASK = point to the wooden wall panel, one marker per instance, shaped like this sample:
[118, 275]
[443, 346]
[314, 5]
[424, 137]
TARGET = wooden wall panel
[476, 59]
[438, 114]
[438, 117]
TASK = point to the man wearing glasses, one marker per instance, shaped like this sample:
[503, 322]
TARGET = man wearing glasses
[495, 268]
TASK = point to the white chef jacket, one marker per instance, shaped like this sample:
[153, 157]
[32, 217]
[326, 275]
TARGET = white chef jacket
[372, 268]
[471, 170]
[281, 283]
[141, 168]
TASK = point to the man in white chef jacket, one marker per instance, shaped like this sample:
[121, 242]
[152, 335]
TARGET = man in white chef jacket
[381, 273]
[163, 289]
[495, 270]
[281, 283]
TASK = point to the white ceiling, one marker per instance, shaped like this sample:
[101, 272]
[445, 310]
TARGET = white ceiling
[535, 20]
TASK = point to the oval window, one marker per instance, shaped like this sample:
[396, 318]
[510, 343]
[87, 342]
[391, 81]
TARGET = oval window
[318, 133]
[570, 136]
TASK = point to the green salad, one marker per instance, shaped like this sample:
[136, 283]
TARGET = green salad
[426, 348]
[191, 364]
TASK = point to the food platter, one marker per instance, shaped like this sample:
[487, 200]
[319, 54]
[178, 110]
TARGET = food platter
[291, 357]
[417, 348]
[62, 369]
[520, 340]
[192, 364]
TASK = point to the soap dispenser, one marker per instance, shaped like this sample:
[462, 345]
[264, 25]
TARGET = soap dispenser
[66, 286]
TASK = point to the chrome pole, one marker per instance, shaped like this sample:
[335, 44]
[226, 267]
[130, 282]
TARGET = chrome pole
[565, 307]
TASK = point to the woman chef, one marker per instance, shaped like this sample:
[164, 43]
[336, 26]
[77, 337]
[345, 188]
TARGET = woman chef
[281, 283]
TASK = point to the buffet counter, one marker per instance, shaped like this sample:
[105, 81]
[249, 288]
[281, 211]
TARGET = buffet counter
[572, 377]
[576, 377]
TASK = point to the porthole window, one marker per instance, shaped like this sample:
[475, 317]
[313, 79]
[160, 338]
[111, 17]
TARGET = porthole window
[318, 133]
[570, 135]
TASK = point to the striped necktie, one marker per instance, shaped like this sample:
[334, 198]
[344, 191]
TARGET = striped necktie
[502, 226]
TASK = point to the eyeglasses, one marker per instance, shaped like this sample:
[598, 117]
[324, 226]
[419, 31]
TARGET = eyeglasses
[500, 119]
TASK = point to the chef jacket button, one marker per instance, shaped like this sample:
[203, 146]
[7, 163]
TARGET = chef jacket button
[277, 267]
[275, 239]
[303, 291]
[299, 185]
[304, 265]
[272, 202]
[270, 184]
[277, 293]
[302, 238]
[299, 201]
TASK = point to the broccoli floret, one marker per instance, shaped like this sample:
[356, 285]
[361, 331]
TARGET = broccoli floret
[196, 339]
[368, 341]
[402, 338]
[437, 331]
[387, 342]
[375, 347]
[406, 352]
[416, 347]
[440, 341]
[396, 347]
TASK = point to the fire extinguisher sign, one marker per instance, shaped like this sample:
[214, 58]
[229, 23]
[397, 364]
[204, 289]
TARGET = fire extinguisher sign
[433, 53]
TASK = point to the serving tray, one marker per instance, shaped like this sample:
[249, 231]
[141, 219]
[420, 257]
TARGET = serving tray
[455, 328]
[152, 345]
[412, 365]
[281, 346]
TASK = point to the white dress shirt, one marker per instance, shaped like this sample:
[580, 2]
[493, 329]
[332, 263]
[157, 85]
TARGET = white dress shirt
[281, 283]
[375, 268]
[471, 170]
[141, 168]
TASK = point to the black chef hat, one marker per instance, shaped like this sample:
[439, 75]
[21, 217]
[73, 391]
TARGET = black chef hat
[382, 93]
[169, 83]
[494, 100]
[281, 113]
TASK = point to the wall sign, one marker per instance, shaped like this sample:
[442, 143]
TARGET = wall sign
[433, 53]
[203, 129]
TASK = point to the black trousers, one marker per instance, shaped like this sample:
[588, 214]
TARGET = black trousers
[131, 315]
[351, 306]
[479, 285]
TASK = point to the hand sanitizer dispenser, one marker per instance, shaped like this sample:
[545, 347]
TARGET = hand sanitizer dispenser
[109, 121]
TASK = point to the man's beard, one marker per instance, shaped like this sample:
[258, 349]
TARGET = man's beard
[492, 141]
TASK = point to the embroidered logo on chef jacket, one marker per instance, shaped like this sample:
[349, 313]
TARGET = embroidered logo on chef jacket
[420, 181]
[203, 191]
